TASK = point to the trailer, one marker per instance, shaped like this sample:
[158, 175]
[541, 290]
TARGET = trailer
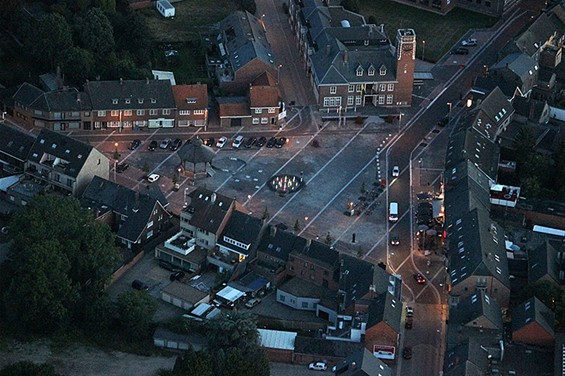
[165, 8]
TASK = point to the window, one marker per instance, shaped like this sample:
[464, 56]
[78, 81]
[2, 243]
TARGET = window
[304, 304]
[114, 113]
[382, 87]
[149, 234]
[101, 113]
[389, 99]
[255, 120]
[358, 100]
[153, 100]
[127, 112]
[114, 101]
[128, 101]
[382, 71]
[198, 112]
[359, 88]
[139, 100]
[332, 101]
[350, 100]
[282, 298]
[87, 113]
[371, 71]
[258, 111]
[149, 224]
[390, 87]
[359, 71]
[333, 89]
[184, 112]
[152, 112]
[264, 120]
[350, 88]
[166, 112]
[381, 99]
[272, 110]
[366, 42]
[140, 112]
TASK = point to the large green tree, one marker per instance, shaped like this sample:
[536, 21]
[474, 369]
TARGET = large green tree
[135, 312]
[52, 39]
[194, 363]
[96, 33]
[78, 66]
[62, 258]
[28, 369]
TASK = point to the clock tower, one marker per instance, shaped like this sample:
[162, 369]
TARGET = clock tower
[405, 61]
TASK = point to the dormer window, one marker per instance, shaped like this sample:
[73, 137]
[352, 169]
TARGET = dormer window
[153, 100]
[382, 71]
[54, 146]
[366, 42]
[371, 71]
[190, 100]
[359, 71]
[114, 101]
[140, 100]
[128, 101]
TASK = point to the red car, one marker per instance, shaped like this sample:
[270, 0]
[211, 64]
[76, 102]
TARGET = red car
[419, 278]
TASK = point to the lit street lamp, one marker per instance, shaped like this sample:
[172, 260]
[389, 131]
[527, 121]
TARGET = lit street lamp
[449, 113]
[423, 50]
[278, 72]
[116, 157]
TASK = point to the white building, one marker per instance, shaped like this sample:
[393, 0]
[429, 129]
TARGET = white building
[165, 8]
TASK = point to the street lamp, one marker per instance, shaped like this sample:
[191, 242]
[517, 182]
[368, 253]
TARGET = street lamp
[423, 50]
[278, 72]
[449, 113]
[116, 157]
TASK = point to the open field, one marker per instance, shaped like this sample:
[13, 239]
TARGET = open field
[439, 32]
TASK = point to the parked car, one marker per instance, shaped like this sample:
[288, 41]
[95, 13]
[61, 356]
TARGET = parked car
[280, 142]
[210, 141]
[318, 366]
[122, 167]
[460, 51]
[222, 142]
[252, 303]
[138, 285]
[165, 143]
[261, 141]
[409, 323]
[134, 144]
[469, 42]
[250, 142]
[237, 142]
[176, 144]
[395, 171]
[409, 312]
[272, 141]
[419, 278]
[394, 239]
[152, 178]
[152, 146]
[443, 122]
[177, 276]
[407, 353]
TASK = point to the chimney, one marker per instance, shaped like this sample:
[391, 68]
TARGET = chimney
[121, 81]
[345, 57]
[328, 49]
[273, 231]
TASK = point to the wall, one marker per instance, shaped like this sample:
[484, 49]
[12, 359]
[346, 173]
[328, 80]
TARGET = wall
[124, 268]
[533, 334]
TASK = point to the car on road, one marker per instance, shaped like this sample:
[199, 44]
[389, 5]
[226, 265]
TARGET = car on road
[395, 171]
[176, 144]
[250, 142]
[318, 366]
[407, 353]
[261, 141]
[134, 144]
[280, 142]
[222, 142]
[394, 239]
[165, 143]
[272, 141]
[237, 142]
[152, 178]
[409, 312]
[138, 285]
[252, 303]
[152, 145]
[469, 42]
[460, 51]
[419, 278]
[122, 167]
[210, 141]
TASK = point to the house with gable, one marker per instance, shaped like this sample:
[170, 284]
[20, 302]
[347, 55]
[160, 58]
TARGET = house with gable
[14, 149]
[315, 262]
[467, 358]
[477, 258]
[191, 103]
[352, 64]
[547, 263]
[492, 115]
[135, 216]
[533, 323]
[519, 70]
[65, 164]
[362, 363]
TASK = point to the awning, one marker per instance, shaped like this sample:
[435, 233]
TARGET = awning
[7, 182]
[230, 294]
[438, 208]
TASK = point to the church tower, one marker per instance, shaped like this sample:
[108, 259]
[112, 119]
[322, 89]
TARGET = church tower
[405, 62]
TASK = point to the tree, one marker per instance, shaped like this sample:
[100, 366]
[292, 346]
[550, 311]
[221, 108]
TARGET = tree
[97, 34]
[194, 363]
[78, 65]
[135, 312]
[62, 258]
[25, 368]
[524, 143]
[363, 188]
[53, 38]
[108, 6]
[266, 214]
[296, 226]
[329, 239]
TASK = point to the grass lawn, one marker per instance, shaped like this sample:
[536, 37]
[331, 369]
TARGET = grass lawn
[439, 32]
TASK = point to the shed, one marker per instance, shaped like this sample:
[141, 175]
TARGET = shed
[183, 295]
[170, 340]
[230, 295]
[165, 8]
[278, 344]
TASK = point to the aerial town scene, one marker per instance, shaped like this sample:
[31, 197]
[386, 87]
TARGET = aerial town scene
[282, 187]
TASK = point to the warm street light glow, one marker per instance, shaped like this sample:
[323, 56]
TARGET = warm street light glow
[469, 102]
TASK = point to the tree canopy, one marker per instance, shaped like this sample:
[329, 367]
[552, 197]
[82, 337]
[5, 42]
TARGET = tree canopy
[61, 259]
[28, 369]
[135, 311]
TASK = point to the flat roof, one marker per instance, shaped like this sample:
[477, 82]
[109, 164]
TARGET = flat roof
[230, 294]
[277, 339]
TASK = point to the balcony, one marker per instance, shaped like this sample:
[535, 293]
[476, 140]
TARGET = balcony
[347, 328]
[181, 244]
[222, 260]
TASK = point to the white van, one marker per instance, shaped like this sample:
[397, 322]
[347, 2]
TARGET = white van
[237, 142]
[393, 212]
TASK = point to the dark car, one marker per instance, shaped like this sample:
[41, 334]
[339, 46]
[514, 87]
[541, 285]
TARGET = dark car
[407, 353]
[138, 285]
[176, 144]
[419, 278]
[280, 142]
[177, 276]
[152, 145]
[250, 142]
[272, 141]
[210, 141]
[134, 144]
[460, 51]
[261, 141]
[122, 167]
[409, 322]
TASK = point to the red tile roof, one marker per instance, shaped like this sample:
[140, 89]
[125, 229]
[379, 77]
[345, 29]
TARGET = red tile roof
[191, 97]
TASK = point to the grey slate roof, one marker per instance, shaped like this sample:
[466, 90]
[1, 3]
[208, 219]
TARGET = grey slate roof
[141, 94]
[279, 243]
[60, 146]
[476, 248]
[62, 100]
[519, 63]
[492, 113]
[387, 307]
[543, 262]
[362, 363]
[26, 94]
[322, 347]
[196, 152]
[540, 30]
[467, 359]
[210, 209]
[533, 310]
[243, 228]
[468, 144]
[14, 142]
[319, 252]
[137, 207]
[475, 306]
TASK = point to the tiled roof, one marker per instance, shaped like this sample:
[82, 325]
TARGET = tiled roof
[14, 142]
[543, 262]
[533, 310]
[320, 253]
[209, 209]
[469, 358]
[130, 94]
[475, 306]
[233, 106]
[279, 243]
[242, 228]
[387, 307]
[196, 152]
[540, 30]
[191, 97]
[493, 112]
[264, 96]
[26, 94]
[72, 153]
[362, 363]
[519, 63]
[184, 292]
[62, 100]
